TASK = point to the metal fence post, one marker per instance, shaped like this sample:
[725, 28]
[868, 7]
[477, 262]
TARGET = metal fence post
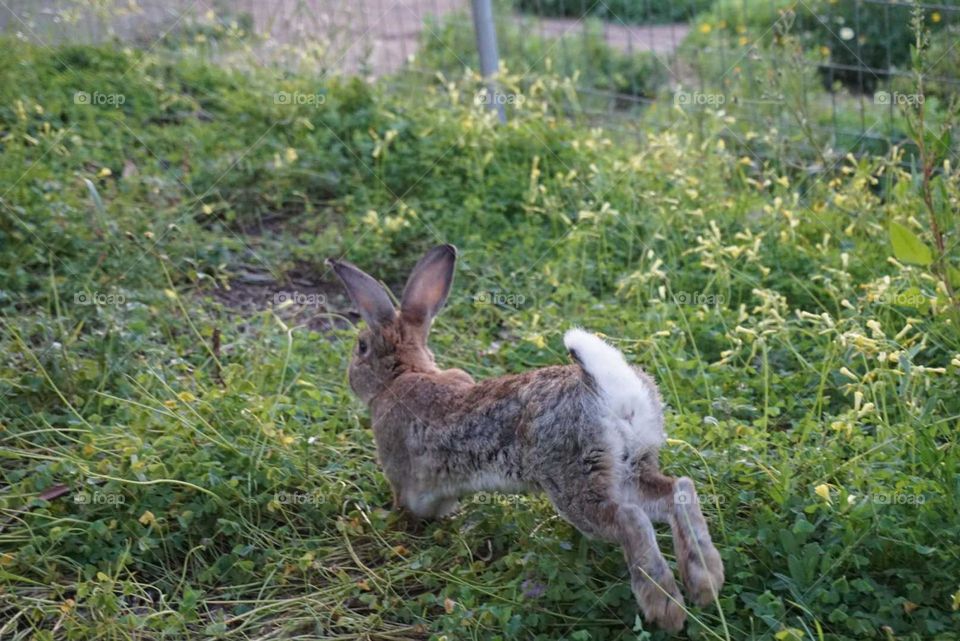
[487, 47]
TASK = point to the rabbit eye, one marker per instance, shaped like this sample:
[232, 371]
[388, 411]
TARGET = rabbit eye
[362, 346]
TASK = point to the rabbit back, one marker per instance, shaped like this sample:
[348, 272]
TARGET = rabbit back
[444, 434]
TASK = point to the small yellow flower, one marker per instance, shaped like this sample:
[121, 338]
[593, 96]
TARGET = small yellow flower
[823, 491]
[104, 172]
[290, 154]
[825, 52]
[147, 518]
[207, 209]
[842, 426]
[394, 223]
[705, 28]
[935, 17]
[744, 41]
[789, 634]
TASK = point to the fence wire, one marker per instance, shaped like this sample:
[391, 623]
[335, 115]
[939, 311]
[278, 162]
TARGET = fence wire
[834, 75]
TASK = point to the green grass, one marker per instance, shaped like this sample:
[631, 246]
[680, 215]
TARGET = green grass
[448, 45]
[183, 459]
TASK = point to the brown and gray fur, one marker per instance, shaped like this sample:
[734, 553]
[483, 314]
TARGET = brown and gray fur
[441, 435]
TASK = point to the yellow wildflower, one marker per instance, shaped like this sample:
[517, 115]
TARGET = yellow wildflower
[823, 491]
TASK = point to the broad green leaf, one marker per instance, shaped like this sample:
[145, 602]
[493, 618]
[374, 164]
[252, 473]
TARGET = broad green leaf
[954, 275]
[907, 247]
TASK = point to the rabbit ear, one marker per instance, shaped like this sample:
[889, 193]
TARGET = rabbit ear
[366, 293]
[428, 286]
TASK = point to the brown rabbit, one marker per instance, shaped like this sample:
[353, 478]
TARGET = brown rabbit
[588, 435]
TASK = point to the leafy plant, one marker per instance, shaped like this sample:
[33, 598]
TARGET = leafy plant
[855, 43]
[934, 171]
[450, 46]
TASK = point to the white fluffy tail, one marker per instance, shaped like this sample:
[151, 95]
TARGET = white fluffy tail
[625, 394]
[605, 363]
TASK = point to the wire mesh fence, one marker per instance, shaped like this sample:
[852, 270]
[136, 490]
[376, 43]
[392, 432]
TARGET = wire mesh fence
[805, 80]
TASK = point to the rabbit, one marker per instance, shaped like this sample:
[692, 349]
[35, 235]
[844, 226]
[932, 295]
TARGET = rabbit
[587, 434]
